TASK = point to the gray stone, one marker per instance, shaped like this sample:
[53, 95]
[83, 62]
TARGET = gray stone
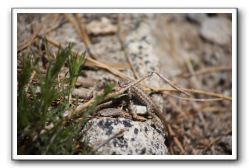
[82, 93]
[226, 142]
[142, 110]
[217, 30]
[139, 138]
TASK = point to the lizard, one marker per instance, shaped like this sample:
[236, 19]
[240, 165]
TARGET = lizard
[152, 107]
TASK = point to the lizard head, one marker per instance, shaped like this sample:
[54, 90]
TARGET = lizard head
[123, 84]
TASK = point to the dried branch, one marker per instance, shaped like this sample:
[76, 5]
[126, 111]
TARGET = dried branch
[197, 100]
[175, 139]
[151, 89]
[170, 83]
[84, 36]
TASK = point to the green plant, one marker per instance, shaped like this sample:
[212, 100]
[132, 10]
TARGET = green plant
[41, 125]
[74, 63]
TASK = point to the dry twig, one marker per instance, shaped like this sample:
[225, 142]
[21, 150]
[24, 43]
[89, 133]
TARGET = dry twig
[207, 93]
[196, 100]
[175, 139]
[84, 36]
[79, 27]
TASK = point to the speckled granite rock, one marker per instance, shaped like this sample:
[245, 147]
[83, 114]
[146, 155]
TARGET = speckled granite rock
[139, 138]
[139, 46]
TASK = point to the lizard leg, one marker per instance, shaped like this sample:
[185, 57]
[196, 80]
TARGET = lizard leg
[150, 112]
[132, 110]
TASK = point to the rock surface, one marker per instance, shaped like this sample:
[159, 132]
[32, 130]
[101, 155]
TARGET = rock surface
[104, 26]
[138, 137]
[217, 30]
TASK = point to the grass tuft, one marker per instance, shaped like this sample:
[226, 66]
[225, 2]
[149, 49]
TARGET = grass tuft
[41, 124]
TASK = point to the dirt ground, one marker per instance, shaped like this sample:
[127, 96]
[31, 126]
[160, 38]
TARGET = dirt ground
[193, 51]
